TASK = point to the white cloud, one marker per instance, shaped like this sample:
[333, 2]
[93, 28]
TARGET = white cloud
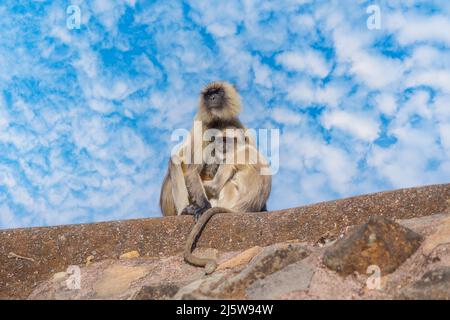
[416, 105]
[302, 92]
[426, 56]
[331, 95]
[355, 55]
[444, 129]
[286, 116]
[358, 125]
[308, 156]
[222, 30]
[376, 71]
[305, 93]
[8, 218]
[413, 28]
[101, 105]
[385, 102]
[441, 106]
[437, 78]
[405, 163]
[311, 62]
[262, 74]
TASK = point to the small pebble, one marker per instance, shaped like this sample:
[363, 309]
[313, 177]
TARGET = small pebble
[129, 255]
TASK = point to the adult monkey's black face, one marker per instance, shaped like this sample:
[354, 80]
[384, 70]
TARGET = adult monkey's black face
[214, 98]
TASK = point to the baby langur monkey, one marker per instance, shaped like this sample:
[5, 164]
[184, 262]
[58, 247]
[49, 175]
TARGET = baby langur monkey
[242, 181]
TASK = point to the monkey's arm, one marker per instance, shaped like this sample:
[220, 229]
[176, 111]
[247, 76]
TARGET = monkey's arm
[179, 191]
[223, 175]
[187, 189]
[195, 188]
[198, 200]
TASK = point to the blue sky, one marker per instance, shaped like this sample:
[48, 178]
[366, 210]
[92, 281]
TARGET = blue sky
[86, 114]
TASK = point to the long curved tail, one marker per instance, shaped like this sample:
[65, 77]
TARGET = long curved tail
[209, 264]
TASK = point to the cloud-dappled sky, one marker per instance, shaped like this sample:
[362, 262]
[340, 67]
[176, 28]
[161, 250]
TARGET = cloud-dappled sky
[86, 114]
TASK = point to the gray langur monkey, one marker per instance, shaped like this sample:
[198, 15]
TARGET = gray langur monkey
[229, 187]
[183, 187]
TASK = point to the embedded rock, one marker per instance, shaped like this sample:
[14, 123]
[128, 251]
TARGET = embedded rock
[129, 255]
[270, 260]
[379, 242]
[434, 285]
[294, 277]
[440, 237]
[117, 279]
[240, 259]
[162, 291]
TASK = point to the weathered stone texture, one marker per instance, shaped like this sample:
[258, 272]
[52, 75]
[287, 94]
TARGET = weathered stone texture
[380, 242]
[434, 285]
[33, 261]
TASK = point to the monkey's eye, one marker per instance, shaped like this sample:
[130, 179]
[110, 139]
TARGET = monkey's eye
[209, 94]
[213, 93]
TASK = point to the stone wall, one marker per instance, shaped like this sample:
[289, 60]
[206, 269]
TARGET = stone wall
[31, 256]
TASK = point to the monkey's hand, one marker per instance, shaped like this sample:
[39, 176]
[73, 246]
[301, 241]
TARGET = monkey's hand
[195, 210]
[211, 189]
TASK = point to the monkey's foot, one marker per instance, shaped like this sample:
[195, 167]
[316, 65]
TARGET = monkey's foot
[195, 210]
[189, 210]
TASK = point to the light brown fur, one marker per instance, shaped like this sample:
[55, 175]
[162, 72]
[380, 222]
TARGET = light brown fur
[239, 186]
[229, 113]
[231, 187]
[177, 194]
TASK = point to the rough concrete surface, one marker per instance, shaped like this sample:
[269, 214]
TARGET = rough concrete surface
[286, 270]
[33, 261]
